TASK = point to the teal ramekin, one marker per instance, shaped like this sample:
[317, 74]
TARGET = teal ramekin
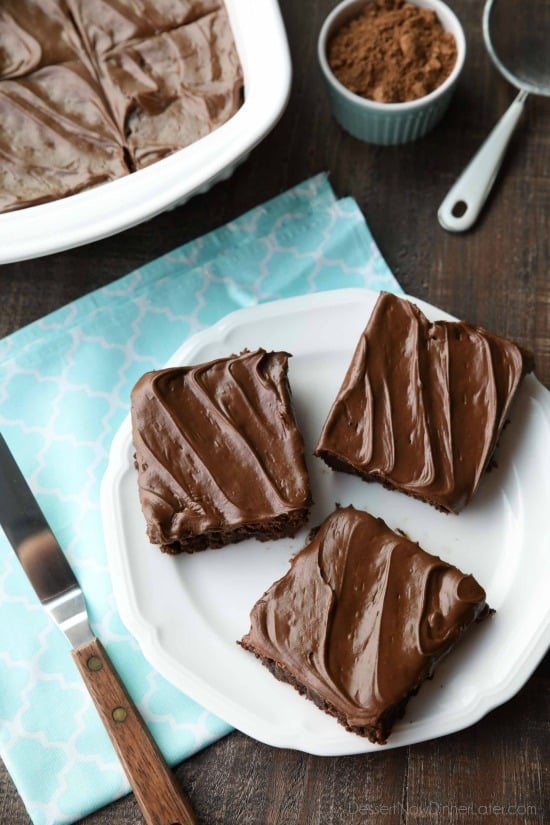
[389, 123]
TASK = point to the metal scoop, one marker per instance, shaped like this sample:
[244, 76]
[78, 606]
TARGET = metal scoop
[517, 37]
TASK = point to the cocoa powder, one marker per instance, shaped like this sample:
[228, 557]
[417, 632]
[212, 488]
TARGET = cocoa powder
[393, 51]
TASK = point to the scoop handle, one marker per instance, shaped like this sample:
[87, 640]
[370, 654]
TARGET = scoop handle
[157, 792]
[462, 205]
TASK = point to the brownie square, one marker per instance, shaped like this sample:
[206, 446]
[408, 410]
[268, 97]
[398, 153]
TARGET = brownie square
[170, 90]
[218, 453]
[91, 90]
[423, 404]
[57, 137]
[361, 619]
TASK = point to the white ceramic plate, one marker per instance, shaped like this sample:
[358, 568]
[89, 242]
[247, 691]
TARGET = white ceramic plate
[188, 611]
[262, 46]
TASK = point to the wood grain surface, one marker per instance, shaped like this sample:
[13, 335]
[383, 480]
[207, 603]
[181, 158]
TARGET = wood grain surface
[497, 274]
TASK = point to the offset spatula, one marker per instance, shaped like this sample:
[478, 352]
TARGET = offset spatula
[154, 785]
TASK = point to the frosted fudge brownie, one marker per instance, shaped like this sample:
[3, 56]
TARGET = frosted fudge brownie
[57, 134]
[218, 452]
[423, 404]
[93, 90]
[361, 619]
[170, 90]
[170, 70]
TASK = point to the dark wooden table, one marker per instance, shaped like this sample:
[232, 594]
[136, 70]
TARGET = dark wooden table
[496, 275]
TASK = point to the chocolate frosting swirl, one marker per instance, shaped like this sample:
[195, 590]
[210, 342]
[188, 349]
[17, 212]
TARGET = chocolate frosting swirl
[56, 138]
[168, 91]
[362, 617]
[422, 404]
[217, 446]
[34, 34]
[91, 90]
[106, 24]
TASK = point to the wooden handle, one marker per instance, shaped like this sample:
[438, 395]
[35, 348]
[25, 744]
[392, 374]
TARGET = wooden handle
[158, 795]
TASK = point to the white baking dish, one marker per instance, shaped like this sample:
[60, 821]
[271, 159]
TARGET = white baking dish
[112, 207]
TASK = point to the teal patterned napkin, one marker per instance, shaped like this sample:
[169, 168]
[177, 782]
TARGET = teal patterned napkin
[64, 391]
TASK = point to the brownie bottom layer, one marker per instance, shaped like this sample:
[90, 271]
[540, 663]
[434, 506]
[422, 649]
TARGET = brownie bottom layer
[377, 732]
[284, 526]
[343, 467]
